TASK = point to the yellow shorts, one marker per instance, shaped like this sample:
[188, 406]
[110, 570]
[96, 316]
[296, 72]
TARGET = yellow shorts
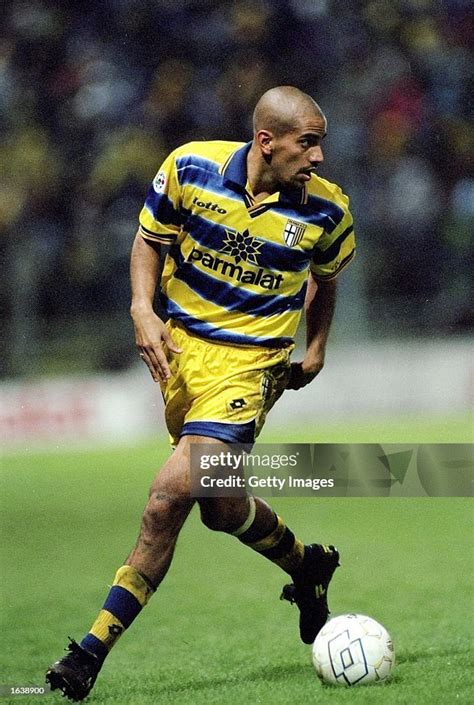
[219, 390]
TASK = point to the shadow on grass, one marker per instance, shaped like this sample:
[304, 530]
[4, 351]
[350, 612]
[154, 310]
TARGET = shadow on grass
[429, 653]
[282, 672]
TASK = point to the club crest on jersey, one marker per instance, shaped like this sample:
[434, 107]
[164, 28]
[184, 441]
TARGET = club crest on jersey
[293, 232]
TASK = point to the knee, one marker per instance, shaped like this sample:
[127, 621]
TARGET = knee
[165, 510]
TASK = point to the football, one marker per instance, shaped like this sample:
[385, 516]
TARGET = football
[353, 649]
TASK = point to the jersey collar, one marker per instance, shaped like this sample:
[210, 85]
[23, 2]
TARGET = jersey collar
[234, 171]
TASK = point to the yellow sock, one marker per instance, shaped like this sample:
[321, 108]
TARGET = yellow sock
[129, 593]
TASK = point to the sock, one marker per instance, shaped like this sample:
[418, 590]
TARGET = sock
[129, 593]
[279, 545]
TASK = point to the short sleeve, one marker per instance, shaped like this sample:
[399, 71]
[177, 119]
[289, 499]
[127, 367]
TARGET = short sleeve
[160, 218]
[336, 247]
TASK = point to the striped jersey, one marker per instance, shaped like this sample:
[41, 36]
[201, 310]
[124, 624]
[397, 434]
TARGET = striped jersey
[236, 270]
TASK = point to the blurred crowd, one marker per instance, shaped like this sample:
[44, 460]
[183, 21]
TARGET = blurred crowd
[94, 94]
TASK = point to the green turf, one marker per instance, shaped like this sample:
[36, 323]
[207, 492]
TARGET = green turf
[216, 632]
[458, 428]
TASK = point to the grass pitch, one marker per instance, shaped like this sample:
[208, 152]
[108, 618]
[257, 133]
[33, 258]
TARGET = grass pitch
[216, 632]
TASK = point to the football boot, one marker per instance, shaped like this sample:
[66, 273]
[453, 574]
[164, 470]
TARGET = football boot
[309, 589]
[75, 673]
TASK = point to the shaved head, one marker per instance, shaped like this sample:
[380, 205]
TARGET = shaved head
[280, 109]
[286, 148]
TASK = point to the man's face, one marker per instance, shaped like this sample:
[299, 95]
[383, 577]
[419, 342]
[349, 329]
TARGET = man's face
[296, 155]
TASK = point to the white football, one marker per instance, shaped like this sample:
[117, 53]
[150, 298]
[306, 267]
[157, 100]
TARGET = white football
[353, 649]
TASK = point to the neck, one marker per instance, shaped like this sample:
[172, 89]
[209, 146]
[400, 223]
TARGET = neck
[259, 174]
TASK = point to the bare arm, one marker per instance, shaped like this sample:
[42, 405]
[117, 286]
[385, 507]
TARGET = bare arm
[319, 307]
[150, 330]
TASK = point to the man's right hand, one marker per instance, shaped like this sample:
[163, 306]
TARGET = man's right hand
[150, 336]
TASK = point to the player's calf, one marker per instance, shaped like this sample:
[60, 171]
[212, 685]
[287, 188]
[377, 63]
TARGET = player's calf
[255, 524]
[223, 513]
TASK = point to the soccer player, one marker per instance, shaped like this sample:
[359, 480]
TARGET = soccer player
[254, 236]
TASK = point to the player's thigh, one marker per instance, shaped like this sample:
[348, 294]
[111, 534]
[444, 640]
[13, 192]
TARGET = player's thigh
[222, 391]
[174, 476]
[239, 396]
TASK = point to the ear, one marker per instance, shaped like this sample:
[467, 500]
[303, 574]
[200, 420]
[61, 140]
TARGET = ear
[264, 140]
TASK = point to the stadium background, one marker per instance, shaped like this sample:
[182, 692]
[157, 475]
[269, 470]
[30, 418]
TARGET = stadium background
[92, 97]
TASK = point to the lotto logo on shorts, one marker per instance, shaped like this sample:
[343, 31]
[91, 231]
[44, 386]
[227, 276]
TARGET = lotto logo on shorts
[237, 404]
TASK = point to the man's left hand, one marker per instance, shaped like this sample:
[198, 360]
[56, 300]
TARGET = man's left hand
[302, 373]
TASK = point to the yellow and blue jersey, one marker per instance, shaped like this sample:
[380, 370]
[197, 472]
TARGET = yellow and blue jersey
[236, 270]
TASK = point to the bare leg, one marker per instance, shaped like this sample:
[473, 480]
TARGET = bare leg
[166, 511]
[229, 513]
[257, 526]
[168, 506]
